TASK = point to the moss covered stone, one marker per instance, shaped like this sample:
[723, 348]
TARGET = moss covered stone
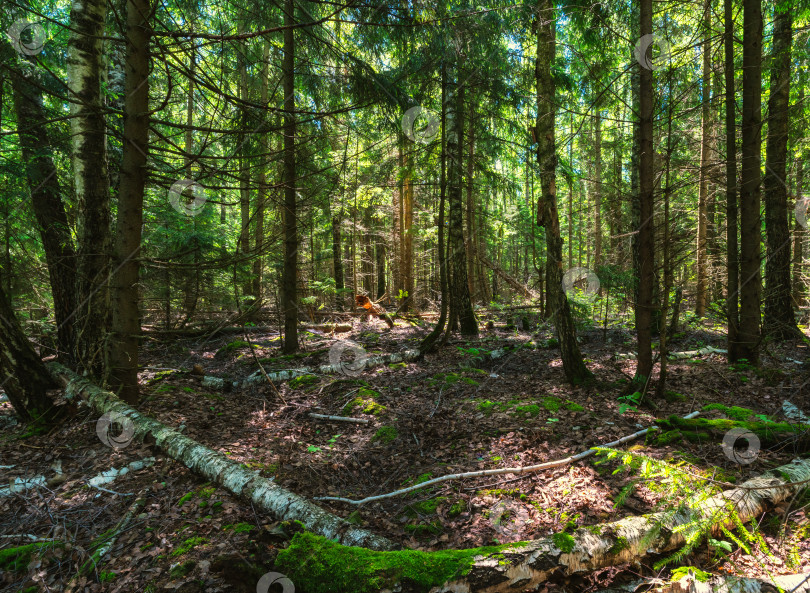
[769, 433]
[318, 565]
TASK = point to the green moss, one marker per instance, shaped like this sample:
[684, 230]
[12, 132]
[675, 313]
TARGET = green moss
[486, 406]
[386, 434]
[319, 565]
[457, 508]
[426, 507]
[181, 570]
[106, 576]
[733, 412]
[17, 559]
[530, 410]
[188, 545]
[239, 528]
[451, 378]
[185, 498]
[620, 544]
[674, 396]
[303, 381]
[701, 428]
[205, 493]
[660, 439]
[552, 404]
[366, 401]
[572, 407]
[425, 529]
[564, 541]
[229, 348]
[397, 365]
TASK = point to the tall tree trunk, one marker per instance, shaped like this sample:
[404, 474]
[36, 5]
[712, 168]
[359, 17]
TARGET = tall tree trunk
[798, 232]
[750, 219]
[126, 319]
[470, 206]
[597, 190]
[85, 66]
[407, 226]
[26, 381]
[46, 200]
[703, 187]
[290, 270]
[547, 217]
[459, 287]
[646, 243]
[244, 156]
[780, 321]
[264, 190]
[732, 249]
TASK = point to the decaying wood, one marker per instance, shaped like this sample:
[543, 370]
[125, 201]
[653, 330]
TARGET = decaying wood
[375, 309]
[497, 472]
[233, 477]
[338, 418]
[679, 355]
[329, 327]
[351, 368]
[526, 566]
[791, 583]
[514, 284]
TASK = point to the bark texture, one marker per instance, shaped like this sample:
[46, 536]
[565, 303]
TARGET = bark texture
[526, 566]
[126, 318]
[547, 216]
[84, 67]
[234, 477]
[290, 269]
[779, 321]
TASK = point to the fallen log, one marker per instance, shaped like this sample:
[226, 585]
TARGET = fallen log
[338, 418]
[709, 583]
[216, 467]
[345, 368]
[328, 327]
[311, 560]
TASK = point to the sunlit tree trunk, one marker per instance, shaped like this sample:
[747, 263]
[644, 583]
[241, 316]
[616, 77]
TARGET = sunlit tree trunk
[798, 232]
[597, 190]
[264, 191]
[703, 185]
[750, 219]
[547, 217]
[732, 226]
[126, 319]
[290, 269]
[780, 321]
[89, 155]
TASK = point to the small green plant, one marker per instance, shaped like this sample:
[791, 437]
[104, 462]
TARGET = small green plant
[629, 403]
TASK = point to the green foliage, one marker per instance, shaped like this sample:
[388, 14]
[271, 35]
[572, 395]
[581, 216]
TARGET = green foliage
[564, 541]
[303, 381]
[188, 545]
[385, 434]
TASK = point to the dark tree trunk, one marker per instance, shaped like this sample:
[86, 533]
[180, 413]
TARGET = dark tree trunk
[26, 379]
[780, 321]
[547, 216]
[126, 318]
[459, 287]
[46, 201]
[290, 271]
[750, 219]
[732, 249]
[646, 243]
[701, 297]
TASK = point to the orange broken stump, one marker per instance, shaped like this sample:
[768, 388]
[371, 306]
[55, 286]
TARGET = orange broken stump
[374, 309]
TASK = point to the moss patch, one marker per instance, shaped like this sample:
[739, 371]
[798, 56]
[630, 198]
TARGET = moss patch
[769, 433]
[385, 434]
[318, 565]
[188, 545]
[366, 401]
[733, 412]
[17, 559]
[303, 381]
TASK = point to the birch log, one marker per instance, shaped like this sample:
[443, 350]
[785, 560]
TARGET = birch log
[527, 565]
[791, 583]
[232, 476]
[354, 368]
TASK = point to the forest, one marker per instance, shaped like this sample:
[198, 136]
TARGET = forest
[404, 297]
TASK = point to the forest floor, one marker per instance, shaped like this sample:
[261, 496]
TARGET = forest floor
[426, 419]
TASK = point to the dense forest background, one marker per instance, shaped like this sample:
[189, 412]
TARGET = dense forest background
[587, 207]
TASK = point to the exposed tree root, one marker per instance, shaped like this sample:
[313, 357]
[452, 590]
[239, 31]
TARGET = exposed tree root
[314, 562]
[236, 478]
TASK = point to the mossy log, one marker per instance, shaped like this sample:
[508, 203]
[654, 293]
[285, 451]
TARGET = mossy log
[317, 565]
[769, 433]
[216, 467]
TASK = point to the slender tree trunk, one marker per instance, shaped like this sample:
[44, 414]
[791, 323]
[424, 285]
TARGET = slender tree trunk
[470, 206]
[732, 249]
[26, 380]
[459, 287]
[750, 219]
[597, 190]
[46, 200]
[407, 227]
[702, 256]
[290, 270]
[547, 217]
[264, 191]
[646, 242]
[126, 319]
[798, 232]
[780, 321]
[85, 67]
